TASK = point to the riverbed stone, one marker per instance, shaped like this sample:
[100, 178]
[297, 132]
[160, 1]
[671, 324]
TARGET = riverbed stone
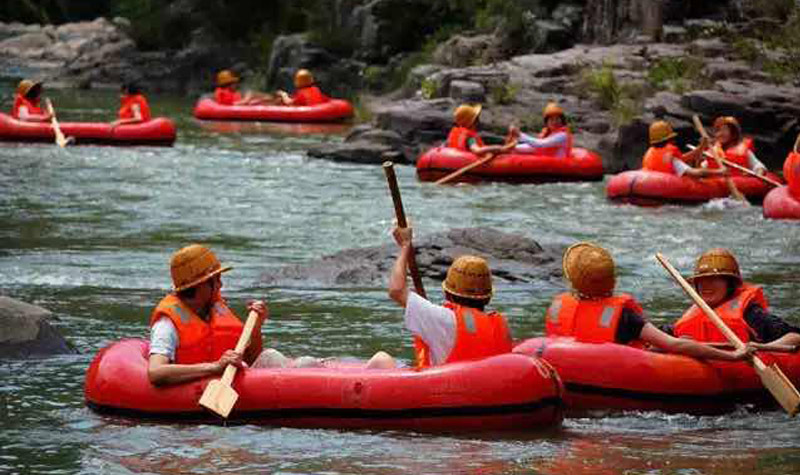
[512, 258]
[26, 331]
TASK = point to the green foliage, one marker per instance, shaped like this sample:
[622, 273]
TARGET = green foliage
[624, 101]
[678, 74]
[504, 94]
[429, 88]
[361, 109]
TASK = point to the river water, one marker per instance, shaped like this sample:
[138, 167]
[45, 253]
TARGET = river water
[88, 231]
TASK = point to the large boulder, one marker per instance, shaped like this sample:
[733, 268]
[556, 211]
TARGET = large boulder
[462, 51]
[27, 332]
[512, 258]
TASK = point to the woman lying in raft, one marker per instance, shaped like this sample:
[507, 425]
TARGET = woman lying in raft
[741, 305]
[554, 140]
[592, 313]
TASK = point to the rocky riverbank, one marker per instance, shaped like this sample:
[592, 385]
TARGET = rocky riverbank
[512, 258]
[611, 94]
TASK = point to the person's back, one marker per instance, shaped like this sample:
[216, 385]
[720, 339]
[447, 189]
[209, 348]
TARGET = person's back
[309, 96]
[791, 171]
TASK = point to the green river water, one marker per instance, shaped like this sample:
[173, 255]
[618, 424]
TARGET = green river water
[88, 231]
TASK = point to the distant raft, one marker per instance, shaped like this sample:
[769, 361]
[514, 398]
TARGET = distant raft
[331, 111]
[613, 377]
[158, 131]
[504, 392]
[580, 165]
[781, 204]
[651, 188]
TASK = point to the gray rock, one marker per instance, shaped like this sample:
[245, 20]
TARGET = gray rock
[462, 51]
[467, 91]
[359, 151]
[26, 331]
[512, 258]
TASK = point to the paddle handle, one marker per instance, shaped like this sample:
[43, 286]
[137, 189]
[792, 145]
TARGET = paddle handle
[712, 315]
[797, 144]
[241, 345]
[400, 214]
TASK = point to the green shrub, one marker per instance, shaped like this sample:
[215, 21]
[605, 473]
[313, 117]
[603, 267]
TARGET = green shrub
[429, 88]
[624, 101]
[504, 94]
[678, 74]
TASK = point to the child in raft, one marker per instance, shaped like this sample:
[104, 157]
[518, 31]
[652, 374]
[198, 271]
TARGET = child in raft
[133, 105]
[306, 91]
[592, 313]
[741, 305]
[734, 147]
[554, 140]
[664, 156]
[227, 92]
[459, 330]
[464, 134]
[27, 102]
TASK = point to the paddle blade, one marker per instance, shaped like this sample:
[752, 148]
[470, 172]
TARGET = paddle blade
[781, 388]
[219, 398]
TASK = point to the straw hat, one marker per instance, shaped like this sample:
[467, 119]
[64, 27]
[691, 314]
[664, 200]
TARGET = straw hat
[226, 77]
[466, 114]
[661, 131]
[590, 270]
[470, 277]
[303, 78]
[717, 262]
[552, 109]
[193, 265]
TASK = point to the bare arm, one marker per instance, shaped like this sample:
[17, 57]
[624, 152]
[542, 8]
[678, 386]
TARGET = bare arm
[137, 117]
[161, 372]
[28, 117]
[656, 337]
[398, 284]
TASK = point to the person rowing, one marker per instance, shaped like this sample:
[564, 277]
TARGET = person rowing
[464, 134]
[592, 313]
[734, 147]
[665, 157]
[27, 102]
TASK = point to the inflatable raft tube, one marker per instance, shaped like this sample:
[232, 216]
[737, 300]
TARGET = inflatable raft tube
[158, 131]
[505, 392]
[581, 165]
[781, 204]
[650, 188]
[331, 111]
[612, 377]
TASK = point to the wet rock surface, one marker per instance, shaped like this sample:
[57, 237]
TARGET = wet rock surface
[27, 332]
[512, 258]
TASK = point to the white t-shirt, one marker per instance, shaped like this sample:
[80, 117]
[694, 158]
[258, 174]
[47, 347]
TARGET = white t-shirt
[679, 166]
[164, 338]
[436, 325]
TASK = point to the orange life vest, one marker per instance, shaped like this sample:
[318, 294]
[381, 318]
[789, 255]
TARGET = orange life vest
[200, 341]
[738, 154]
[126, 110]
[22, 101]
[696, 325]
[309, 96]
[791, 171]
[226, 96]
[460, 135]
[478, 335]
[659, 159]
[557, 150]
[588, 320]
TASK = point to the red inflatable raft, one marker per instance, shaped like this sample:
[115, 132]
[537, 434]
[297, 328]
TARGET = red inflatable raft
[650, 188]
[582, 165]
[331, 111]
[505, 392]
[158, 131]
[780, 204]
[616, 377]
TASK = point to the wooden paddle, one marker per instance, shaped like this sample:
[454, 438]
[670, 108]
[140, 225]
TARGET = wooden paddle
[400, 214]
[219, 397]
[735, 193]
[797, 144]
[461, 171]
[762, 347]
[742, 169]
[61, 140]
[771, 376]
